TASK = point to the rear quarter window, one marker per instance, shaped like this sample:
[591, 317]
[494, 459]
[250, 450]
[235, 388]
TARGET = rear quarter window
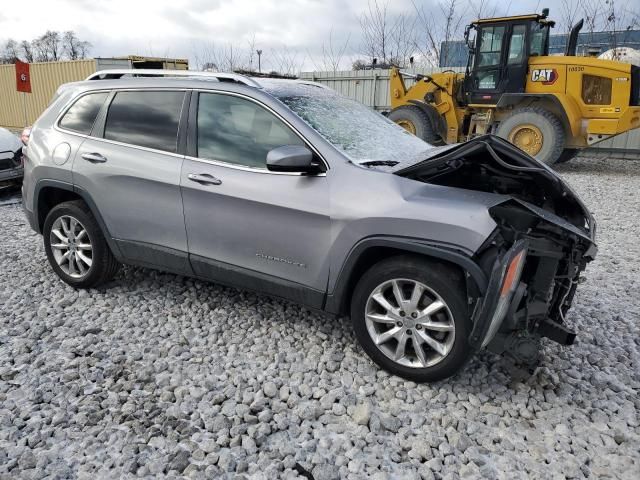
[82, 114]
[147, 119]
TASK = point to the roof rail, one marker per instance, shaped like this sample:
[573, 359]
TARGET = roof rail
[221, 77]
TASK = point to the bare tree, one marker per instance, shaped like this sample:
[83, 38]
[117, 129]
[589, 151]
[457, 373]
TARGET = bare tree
[252, 52]
[485, 8]
[10, 52]
[386, 37]
[220, 57]
[570, 13]
[332, 54]
[73, 47]
[359, 64]
[436, 33]
[286, 61]
[633, 13]
[592, 11]
[618, 21]
[48, 46]
[26, 48]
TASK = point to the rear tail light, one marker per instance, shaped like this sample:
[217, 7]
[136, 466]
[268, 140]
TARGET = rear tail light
[24, 136]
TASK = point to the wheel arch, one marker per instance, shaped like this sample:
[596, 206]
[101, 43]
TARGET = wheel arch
[49, 193]
[374, 249]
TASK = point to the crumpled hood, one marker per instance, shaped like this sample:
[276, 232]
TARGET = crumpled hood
[491, 164]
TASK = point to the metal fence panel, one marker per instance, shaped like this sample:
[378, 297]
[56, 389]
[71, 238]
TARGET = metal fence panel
[45, 80]
[371, 87]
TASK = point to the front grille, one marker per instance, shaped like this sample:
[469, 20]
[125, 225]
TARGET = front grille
[634, 100]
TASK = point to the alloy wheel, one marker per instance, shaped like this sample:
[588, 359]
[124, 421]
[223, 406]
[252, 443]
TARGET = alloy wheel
[71, 246]
[409, 323]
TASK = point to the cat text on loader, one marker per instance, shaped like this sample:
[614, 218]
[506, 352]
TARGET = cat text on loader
[548, 106]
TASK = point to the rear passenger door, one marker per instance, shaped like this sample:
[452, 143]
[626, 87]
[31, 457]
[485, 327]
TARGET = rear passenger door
[130, 166]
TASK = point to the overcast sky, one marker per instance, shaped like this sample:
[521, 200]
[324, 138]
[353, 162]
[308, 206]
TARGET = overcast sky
[180, 28]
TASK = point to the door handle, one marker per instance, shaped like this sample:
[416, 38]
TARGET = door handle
[204, 179]
[94, 157]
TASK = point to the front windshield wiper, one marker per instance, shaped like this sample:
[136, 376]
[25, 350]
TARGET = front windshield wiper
[379, 163]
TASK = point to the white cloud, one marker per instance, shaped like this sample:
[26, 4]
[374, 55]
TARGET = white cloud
[177, 28]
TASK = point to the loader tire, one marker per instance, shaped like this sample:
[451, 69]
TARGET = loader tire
[419, 122]
[568, 154]
[535, 131]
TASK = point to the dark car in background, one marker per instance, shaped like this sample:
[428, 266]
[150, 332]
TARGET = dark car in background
[11, 170]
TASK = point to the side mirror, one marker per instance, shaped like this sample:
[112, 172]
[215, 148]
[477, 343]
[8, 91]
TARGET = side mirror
[292, 158]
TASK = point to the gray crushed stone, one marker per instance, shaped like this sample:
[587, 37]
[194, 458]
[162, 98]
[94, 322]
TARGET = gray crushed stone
[163, 376]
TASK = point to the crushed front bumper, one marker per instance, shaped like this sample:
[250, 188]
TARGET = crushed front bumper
[556, 254]
[496, 302]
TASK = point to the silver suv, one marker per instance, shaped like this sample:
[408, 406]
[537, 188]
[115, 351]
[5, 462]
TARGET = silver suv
[287, 188]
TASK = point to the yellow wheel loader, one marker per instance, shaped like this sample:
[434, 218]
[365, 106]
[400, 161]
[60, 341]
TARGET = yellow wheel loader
[548, 106]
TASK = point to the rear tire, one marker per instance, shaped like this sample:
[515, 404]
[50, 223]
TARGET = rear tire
[76, 247]
[417, 121]
[535, 131]
[437, 322]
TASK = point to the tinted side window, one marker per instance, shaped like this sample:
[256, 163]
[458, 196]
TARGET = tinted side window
[235, 130]
[148, 119]
[82, 114]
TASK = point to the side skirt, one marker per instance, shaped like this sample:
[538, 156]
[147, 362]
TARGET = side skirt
[238, 277]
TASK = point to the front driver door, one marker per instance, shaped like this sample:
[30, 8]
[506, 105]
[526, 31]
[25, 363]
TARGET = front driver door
[247, 226]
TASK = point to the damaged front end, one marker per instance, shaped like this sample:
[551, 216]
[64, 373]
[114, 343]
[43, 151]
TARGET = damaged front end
[543, 240]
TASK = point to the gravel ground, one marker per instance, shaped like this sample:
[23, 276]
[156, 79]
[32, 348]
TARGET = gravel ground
[159, 375]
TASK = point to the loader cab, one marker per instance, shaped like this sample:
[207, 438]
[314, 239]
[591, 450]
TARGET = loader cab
[499, 55]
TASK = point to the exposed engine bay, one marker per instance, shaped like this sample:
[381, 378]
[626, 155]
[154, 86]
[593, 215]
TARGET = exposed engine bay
[544, 217]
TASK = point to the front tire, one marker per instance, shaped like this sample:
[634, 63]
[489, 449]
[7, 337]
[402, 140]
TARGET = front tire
[410, 316]
[76, 247]
[535, 131]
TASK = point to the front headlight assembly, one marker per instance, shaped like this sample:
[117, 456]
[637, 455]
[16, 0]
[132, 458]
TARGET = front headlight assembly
[505, 277]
